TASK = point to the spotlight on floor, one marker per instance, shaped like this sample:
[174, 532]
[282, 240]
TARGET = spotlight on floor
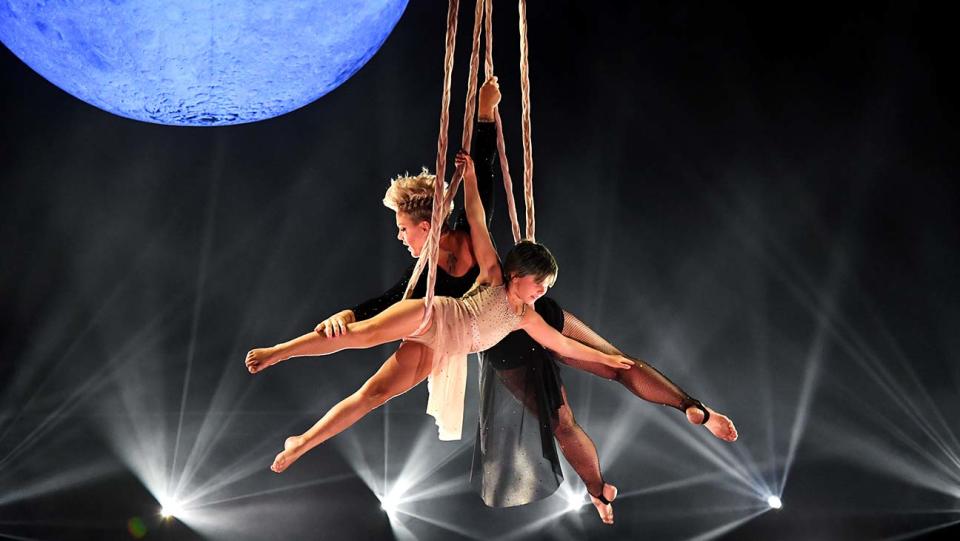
[774, 502]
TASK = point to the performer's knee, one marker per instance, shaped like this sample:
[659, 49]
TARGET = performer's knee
[374, 393]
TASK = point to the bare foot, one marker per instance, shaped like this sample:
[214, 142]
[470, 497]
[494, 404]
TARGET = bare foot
[605, 509]
[260, 358]
[292, 449]
[719, 424]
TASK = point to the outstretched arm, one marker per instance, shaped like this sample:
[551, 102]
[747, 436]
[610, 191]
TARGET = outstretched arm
[483, 250]
[548, 337]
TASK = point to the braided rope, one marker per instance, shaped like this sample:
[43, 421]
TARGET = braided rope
[488, 33]
[501, 144]
[453, 9]
[525, 122]
[470, 108]
[507, 181]
[431, 251]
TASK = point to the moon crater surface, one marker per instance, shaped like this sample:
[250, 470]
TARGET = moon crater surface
[185, 62]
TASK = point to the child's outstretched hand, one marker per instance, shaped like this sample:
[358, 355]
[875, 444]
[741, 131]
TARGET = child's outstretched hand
[489, 99]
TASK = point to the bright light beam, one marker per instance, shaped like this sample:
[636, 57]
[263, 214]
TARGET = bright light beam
[171, 508]
[206, 244]
[574, 505]
[442, 524]
[724, 528]
[810, 377]
[711, 450]
[574, 496]
[443, 488]
[917, 533]
[286, 488]
[534, 526]
[389, 503]
[708, 477]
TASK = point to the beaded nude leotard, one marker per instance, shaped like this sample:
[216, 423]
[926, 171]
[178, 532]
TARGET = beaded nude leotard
[472, 323]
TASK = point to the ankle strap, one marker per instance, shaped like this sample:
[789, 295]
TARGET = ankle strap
[706, 413]
[601, 498]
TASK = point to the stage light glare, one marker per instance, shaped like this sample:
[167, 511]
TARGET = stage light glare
[170, 509]
[389, 503]
[575, 500]
[774, 502]
[574, 505]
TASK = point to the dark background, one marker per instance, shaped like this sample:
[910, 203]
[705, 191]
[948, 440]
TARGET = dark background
[759, 199]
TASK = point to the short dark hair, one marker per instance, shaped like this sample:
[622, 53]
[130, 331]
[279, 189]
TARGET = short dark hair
[529, 258]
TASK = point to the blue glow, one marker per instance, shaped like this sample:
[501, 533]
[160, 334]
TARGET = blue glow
[209, 63]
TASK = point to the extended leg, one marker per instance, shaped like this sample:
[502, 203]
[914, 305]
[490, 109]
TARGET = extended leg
[574, 443]
[645, 381]
[401, 372]
[581, 453]
[397, 321]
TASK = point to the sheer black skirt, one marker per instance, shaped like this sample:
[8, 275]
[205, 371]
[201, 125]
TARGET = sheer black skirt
[515, 458]
[523, 410]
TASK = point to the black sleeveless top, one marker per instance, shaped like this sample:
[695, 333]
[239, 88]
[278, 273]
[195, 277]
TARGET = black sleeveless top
[484, 155]
[447, 286]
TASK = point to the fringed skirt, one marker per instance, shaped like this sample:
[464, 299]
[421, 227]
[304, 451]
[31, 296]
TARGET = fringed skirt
[447, 381]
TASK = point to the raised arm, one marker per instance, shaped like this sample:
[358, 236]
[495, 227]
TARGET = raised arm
[484, 153]
[483, 250]
[484, 150]
[550, 338]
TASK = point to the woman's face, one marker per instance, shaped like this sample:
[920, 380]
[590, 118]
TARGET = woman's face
[412, 234]
[529, 289]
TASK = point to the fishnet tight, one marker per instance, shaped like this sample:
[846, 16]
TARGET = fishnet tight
[574, 443]
[642, 379]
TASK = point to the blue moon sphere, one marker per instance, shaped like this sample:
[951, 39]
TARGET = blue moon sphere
[193, 62]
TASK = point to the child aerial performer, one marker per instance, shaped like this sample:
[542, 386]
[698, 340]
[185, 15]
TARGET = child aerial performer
[498, 304]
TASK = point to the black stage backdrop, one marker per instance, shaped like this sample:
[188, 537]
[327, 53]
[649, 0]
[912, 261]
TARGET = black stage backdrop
[760, 200]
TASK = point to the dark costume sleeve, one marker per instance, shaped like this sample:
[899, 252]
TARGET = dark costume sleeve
[485, 160]
[372, 307]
